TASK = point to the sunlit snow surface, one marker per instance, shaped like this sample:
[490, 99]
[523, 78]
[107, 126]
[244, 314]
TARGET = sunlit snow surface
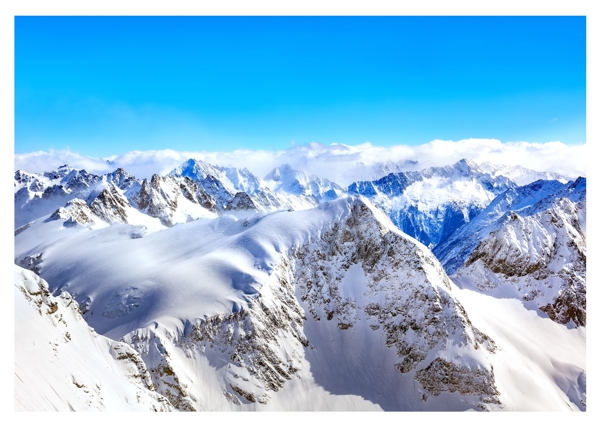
[204, 267]
[62, 364]
[542, 364]
[214, 266]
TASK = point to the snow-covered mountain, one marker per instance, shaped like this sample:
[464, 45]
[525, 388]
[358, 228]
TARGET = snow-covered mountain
[529, 243]
[521, 175]
[173, 200]
[233, 179]
[239, 189]
[62, 364]
[194, 190]
[212, 289]
[37, 195]
[263, 294]
[431, 204]
[285, 179]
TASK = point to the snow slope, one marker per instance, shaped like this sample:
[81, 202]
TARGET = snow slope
[62, 364]
[255, 306]
[540, 365]
[227, 312]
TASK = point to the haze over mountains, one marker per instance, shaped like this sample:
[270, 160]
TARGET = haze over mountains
[211, 288]
[340, 163]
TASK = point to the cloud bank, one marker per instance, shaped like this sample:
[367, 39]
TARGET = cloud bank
[337, 162]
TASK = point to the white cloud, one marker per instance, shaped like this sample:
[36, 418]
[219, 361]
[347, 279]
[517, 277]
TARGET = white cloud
[338, 162]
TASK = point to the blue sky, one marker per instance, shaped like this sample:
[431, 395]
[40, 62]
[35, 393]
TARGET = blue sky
[102, 86]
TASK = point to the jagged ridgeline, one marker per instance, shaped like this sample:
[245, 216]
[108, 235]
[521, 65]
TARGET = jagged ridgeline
[213, 289]
[530, 244]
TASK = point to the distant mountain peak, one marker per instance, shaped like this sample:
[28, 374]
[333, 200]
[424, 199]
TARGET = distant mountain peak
[282, 172]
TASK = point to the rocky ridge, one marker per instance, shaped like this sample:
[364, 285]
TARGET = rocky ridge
[536, 252]
[355, 276]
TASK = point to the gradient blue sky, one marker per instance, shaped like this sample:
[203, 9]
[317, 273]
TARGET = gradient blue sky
[102, 86]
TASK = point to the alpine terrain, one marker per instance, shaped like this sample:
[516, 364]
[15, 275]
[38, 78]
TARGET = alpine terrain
[210, 289]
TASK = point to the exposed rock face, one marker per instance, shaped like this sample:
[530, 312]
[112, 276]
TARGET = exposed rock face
[225, 184]
[217, 190]
[455, 251]
[405, 295]
[194, 190]
[110, 197]
[32, 263]
[110, 205]
[232, 179]
[256, 341]
[122, 179]
[570, 305]
[79, 180]
[157, 198]
[75, 211]
[242, 202]
[37, 195]
[172, 199]
[354, 269]
[29, 181]
[197, 194]
[275, 280]
[444, 376]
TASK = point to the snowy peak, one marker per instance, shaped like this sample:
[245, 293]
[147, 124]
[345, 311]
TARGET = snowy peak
[462, 168]
[172, 200]
[122, 179]
[76, 179]
[39, 195]
[75, 211]
[519, 174]
[524, 200]
[536, 196]
[466, 166]
[242, 202]
[195, 169]
[284, 173]
[264, 299]
[391, 185]
[59, 173]
[224, 183]
[232, 179]
[196, 194]
[243, 180]
[290, 181]
[110, 205]
[469, 170]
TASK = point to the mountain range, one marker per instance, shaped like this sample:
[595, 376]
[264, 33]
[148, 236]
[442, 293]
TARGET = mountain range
[209, 288]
